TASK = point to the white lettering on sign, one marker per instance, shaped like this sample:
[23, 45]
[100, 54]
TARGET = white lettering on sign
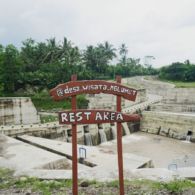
[119, 117]
[98, 116]
[106, 116]
[72, 117]
[87, 116]
[79, 116]
[64, 117]
[69, 90]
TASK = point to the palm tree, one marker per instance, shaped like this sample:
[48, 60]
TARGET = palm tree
[123, 51]
[53, 51]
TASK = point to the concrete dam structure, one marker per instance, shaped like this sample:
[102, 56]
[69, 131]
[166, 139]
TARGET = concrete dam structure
[17, 110]
[174, 125]
[174, 115]
[164, 137]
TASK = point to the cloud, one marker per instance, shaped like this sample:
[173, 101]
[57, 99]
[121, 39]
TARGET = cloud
[162, 28]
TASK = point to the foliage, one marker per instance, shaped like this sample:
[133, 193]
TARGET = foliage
[9, 68]
[96, 59]
[45, 64]
[178, 72]
[123, 50]
[44, 102]
[48, 118]
[177, 186]
[181, 84]
[82, 102]
[45, 186]
[48, 187]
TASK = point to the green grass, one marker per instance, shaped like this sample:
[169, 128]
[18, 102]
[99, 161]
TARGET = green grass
[44, 186]
[43, 101]
[180, 84]
[177, 186]
[48, 118]
[48, 187]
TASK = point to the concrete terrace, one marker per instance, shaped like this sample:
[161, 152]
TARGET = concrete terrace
[34, 160]
[47, 149]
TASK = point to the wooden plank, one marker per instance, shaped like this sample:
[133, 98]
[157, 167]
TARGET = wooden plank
[73, 88]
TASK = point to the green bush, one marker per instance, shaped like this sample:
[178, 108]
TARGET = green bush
[177, 186]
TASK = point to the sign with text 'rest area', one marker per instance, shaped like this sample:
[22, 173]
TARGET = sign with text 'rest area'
[73, 88]
[95, 117]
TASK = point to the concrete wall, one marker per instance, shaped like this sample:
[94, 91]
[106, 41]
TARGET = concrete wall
[17, 110]
[107, 101]
[171, 107]
[175, 125]
[176, 95]
[141, 97]
[176, 100]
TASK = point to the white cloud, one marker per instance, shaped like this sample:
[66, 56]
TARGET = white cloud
[162, 28]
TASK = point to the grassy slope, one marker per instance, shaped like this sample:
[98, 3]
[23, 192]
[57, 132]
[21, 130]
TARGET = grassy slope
[180, 84]
[47, 187]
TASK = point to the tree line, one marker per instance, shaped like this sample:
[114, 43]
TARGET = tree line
[178, 72]
[46, 64]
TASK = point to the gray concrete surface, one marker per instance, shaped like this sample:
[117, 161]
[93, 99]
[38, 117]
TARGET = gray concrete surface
[138, 149]
[162, 150]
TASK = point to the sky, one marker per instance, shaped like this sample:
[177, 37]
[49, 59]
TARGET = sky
[164, 29]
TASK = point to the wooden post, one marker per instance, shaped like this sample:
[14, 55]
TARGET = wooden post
[74, 147]
[119, 143]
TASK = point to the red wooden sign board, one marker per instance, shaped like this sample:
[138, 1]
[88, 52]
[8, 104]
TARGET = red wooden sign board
[95, 117]
[74, 117]
[92, 87]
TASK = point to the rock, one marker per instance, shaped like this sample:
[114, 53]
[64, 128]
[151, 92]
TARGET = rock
[17, 191]
[84, 184]
[28, 192]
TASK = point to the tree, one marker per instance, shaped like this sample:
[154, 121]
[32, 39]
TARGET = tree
[123, 51]
[9, 69]
[28, 55]
[97, 58]
[1, 67]
[178, 71]
[70, 55]
[53, 51]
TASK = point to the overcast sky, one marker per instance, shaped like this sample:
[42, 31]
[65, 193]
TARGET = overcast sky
[164, 29]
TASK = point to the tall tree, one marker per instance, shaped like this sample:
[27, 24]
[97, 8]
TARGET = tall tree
[70, 55]
[9, 69]
[1, 66]
[53, 51]
[123, 51]
[97, 58]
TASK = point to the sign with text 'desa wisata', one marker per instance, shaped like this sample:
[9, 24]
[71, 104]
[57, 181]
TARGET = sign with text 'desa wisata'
[73, 88]
[95, 117]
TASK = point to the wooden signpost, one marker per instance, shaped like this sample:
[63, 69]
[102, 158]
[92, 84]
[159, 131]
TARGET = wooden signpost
[73, 88]
[74, 117]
